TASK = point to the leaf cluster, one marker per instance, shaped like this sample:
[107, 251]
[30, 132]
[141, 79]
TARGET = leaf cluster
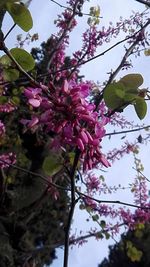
[118, 95]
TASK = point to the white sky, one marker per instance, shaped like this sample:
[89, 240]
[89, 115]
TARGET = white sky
[44, 12]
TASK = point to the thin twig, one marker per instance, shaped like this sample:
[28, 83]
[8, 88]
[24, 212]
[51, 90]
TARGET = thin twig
[77, 13]
[141, 174]
[127, 131]
[81, 63]
[124, 59]
[9, 31]
[18, 66]
[63, 35]
[78, 239]
[34, 174]
[100, 201]
[144, 2]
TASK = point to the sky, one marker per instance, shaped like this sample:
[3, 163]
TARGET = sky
[43, 13]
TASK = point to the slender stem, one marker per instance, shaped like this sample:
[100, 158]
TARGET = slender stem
[97, 56]
[141, 174]
[144, 2]
[9, 31]
[94, 234]
[72, 206]
[78, 13]
[34, 174]
[81, 63]
[63, 35]
[100, 201]
[124, 59]
[128, 131]
[18, 66]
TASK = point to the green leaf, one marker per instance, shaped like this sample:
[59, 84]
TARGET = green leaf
[132, 81]
[129, 98]
[133, 253]
[5, 60]
[107, 235]
[21, 15]
[147, 52]
[24, 59]
[138, 233]
[99, 235]
[10, 74]
[52, 164]
[140, 108]
[103, 224]
[3, 99]
[113, 95]
[15, 100]
[71, 156]
[4, 2]
[95, 217]
[119, 91]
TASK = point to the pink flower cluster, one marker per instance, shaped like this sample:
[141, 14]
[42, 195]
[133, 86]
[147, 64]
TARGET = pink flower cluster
[140, 191]
[7, 159]
[119, 153]
[66, 21]
[92, 183]
[2, 128]
[68, 113]
[7, 107]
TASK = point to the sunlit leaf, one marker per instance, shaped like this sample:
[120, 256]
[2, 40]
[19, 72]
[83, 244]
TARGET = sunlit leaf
[24, 59]
[147, 52]
[113, 95]
[129, 98]
[4, 2]
[132, 81]
[21, 15]
[132, 252]
[5, 60]
[140, 108]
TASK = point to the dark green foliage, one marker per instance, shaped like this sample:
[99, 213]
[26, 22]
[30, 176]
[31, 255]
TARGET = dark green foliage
[32, 221]
[119, 253]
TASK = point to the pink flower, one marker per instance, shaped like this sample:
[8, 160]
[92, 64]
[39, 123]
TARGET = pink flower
[2, 128]
[33, 95]
[68, 114]
[7, 159]
[30, 123]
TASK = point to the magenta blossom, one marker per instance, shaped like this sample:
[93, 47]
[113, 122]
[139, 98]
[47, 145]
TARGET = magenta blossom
[2, 128]
[68, 113]
[33, 95]
[6, 160]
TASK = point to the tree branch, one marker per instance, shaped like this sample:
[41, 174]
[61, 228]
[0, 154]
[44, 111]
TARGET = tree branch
[77, 13]
[72, 206]
[52, 54]
[144, 2]
[100, 201]
[29, 77]
[128, 131]
[34, 174]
